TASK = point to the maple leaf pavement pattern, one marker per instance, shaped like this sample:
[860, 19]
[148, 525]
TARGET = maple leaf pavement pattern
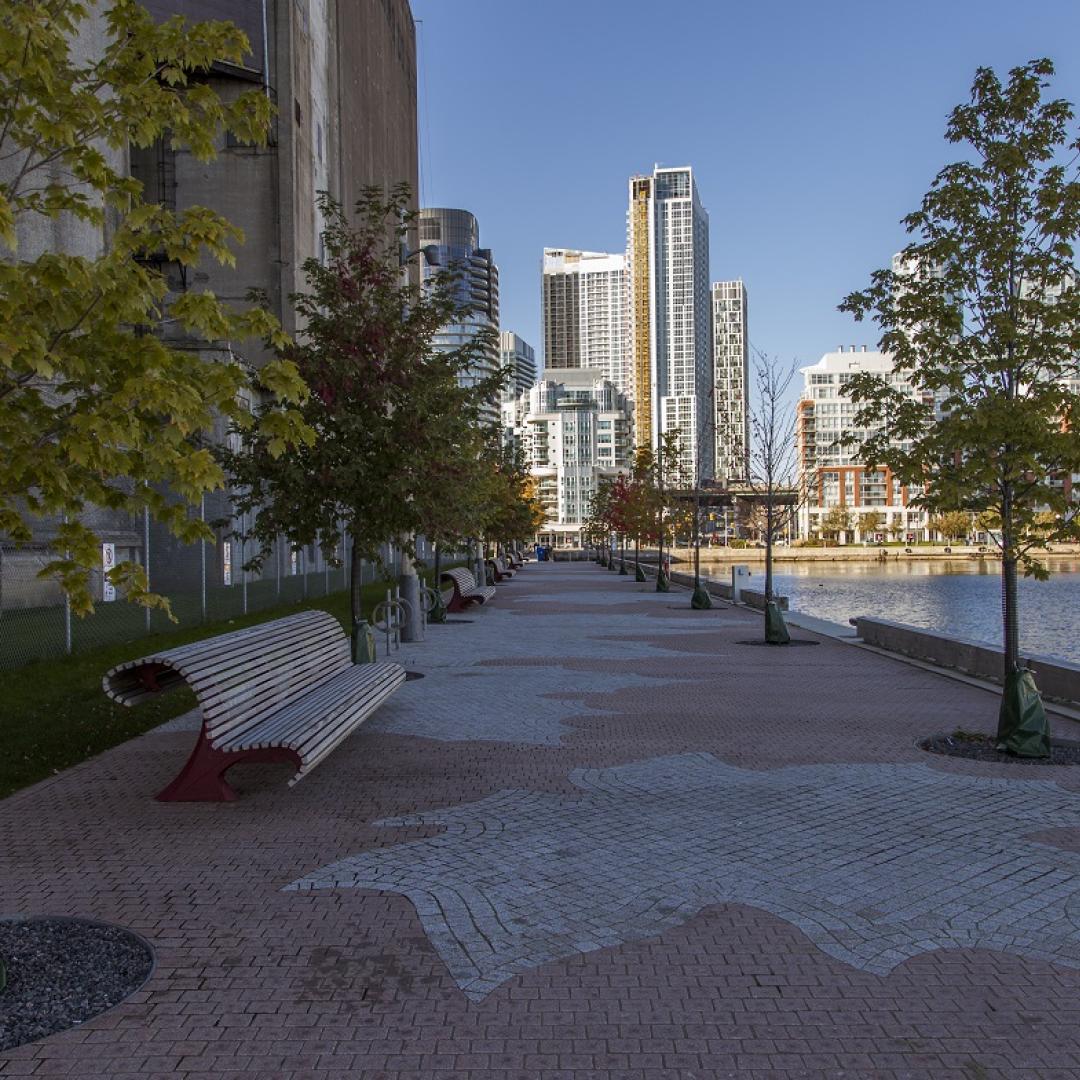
[875, 863]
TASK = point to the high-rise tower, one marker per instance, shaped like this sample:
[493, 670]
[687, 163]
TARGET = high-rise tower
[518, 359]
[451, 241]
[670, 319]
[585, 313]
[731, 381]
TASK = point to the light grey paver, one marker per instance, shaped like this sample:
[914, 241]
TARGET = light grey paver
[875, 863]
[461, 699]
[481, 703]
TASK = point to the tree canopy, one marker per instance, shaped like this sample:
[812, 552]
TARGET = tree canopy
[399, 446]
[94, 409]
[981, 312]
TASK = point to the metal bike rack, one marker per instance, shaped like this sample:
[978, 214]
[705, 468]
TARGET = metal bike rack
[389, 617]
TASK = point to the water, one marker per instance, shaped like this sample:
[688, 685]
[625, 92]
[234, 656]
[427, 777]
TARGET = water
[961, 597]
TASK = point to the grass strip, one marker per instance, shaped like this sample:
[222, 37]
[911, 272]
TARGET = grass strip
[55, 713]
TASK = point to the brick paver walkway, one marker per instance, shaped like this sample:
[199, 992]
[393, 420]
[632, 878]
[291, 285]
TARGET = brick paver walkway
[600, 838]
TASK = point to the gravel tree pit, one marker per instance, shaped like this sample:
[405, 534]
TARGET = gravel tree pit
[61, 972]
[979, 747]
[779, 645]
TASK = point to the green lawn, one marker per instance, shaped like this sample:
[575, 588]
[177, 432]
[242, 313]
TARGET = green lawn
[55, 713]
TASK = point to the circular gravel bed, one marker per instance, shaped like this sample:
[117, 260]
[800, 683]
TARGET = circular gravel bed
[61, 972]
[978, 747]
[777, 645]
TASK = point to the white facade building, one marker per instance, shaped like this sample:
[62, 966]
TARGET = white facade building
[586, 321]
[518, 358]
[670, 317]
[834, 475]
[731, 381]
[575, 428]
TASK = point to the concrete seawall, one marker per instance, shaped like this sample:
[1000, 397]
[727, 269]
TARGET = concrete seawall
[1056, 678]
[751, 597]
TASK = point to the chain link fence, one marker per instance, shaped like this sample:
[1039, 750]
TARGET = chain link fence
[204, 582]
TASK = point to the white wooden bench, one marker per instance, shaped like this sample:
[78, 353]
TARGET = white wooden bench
[500, 569]
[466, 591]
[285, 690]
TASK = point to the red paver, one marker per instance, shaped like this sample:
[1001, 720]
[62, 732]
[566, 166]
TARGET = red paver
[253, 981]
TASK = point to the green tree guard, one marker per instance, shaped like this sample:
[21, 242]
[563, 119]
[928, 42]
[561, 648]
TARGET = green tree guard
[776, 631]
[622, 566]
[363, 643]
[1023, 728]
[662, 583]
[701, 600]
[639, 574]
[437, 614]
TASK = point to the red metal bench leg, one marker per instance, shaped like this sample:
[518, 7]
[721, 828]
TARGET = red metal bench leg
[458, 603]
[202, 779]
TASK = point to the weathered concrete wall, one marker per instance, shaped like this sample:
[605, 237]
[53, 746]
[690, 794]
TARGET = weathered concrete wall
[241, 184]
[376, 62]
[40, 233]
[1056, 678]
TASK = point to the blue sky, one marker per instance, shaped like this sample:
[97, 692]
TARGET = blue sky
[812, 129]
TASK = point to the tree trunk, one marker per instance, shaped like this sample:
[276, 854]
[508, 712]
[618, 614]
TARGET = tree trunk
[1010, 614]
[438, 565]
[356, 599]
[697, 547]
[660, 549]
[768, 549]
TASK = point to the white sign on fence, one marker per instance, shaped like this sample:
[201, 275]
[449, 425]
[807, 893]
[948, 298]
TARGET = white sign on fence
[226, 562]
[108, 561]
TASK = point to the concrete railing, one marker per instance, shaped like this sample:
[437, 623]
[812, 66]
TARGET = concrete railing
[751, 597]
[1056, 678]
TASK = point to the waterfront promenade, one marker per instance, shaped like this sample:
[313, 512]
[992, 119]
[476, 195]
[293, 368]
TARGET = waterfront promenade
[601, 838]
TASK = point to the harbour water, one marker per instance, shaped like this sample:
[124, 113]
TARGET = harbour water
[961, 597]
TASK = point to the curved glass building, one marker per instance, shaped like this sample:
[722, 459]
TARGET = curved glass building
[451, 241]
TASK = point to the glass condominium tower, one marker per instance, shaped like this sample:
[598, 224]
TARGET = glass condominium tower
[667, 254]
[450, 240]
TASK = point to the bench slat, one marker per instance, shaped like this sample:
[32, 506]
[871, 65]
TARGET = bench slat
[315, 755]
[203, 662]
[315, 750]
[214, 648]
[278, 667]
[232, 688]
[325, 699]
